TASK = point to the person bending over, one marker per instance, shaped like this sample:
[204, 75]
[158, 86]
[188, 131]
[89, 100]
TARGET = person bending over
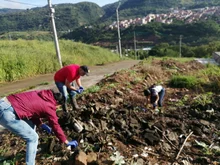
[64, 81]
[20, 113]
[155, 95]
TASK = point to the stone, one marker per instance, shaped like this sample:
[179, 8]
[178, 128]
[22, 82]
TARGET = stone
[81, 158]
[91, 157]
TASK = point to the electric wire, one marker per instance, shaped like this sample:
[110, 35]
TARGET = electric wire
[22, 3]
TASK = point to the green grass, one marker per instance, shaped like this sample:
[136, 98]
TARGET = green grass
[21, 58]
[93, 89]
[182, 81]
[182, 59]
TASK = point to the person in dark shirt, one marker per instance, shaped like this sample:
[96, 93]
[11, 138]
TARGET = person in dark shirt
[20, 113]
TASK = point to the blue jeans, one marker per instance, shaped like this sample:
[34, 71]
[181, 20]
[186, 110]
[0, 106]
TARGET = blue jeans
[161, 97]
[65, 91]
[10, 121]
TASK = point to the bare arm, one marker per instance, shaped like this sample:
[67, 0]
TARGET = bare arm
[78, 82]
[157, 99]
[68, 85]
[148, 98]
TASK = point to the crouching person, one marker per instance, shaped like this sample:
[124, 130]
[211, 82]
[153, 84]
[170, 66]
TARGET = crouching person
[155, 95]
[20, 113]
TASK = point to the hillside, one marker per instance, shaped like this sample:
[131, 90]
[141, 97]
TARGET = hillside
[7, 10]
[140, 8]
[67, 16]
[71, 16]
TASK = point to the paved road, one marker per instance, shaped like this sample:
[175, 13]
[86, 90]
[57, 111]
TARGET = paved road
[206, 61]
[97, 73]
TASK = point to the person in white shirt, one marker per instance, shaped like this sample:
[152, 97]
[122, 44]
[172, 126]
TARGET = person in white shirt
[155, 95]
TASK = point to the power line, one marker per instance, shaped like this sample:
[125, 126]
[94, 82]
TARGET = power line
[22, 3]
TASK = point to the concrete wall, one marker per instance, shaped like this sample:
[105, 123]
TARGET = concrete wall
[216, 57]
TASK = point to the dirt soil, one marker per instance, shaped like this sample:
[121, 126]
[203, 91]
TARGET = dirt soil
[119, 129]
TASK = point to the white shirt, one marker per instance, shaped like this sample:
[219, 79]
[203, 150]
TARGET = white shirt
[157, 89]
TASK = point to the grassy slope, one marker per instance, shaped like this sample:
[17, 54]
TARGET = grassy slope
[21, 58]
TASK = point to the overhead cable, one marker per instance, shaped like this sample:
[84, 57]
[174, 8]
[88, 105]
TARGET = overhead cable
[22, 3]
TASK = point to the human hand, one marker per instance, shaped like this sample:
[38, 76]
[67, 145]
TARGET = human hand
[46, 128]
[72, 143]
[80, 90]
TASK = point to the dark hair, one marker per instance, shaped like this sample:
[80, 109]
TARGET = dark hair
[152, 86]
[147, 92]
[59, 97]
[85, 68]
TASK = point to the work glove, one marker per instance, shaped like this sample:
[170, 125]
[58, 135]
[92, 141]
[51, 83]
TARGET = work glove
[46, 128]
[80, 90]
[72, 143]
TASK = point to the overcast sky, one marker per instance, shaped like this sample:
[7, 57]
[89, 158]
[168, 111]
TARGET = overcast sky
[25, 4]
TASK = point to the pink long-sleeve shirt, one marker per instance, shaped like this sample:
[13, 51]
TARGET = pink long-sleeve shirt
[35, 105]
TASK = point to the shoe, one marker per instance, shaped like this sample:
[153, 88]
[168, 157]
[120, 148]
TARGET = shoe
[74, 104]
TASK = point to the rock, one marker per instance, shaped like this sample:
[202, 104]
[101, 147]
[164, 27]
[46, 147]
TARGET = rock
[91, 157]
[172, 136]
[204, 122]
[140, 161]
[81, 158]
[151, 137]
[118, 92]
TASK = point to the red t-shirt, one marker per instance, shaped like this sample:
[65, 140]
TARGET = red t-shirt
[35, 105]
[69, 72]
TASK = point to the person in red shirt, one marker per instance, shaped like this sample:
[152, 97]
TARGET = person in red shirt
[21, 112]
[64, 81]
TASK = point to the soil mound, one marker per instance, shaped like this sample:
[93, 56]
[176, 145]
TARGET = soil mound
[118, 128]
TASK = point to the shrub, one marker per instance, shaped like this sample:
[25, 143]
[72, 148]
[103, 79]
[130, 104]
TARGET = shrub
[180, 81]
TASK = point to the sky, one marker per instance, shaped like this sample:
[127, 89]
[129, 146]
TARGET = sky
[27, 4]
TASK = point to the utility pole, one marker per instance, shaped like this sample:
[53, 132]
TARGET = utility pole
[9, 36]
[135, 46]
[180, 51]
[119, 37]
[52, 11]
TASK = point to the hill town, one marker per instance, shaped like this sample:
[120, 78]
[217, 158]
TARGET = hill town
[188, 16]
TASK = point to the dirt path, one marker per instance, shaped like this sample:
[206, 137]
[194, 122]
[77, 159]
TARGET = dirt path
[96, 74]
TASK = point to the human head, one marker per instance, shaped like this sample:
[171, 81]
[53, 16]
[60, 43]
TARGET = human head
[147, 92]
[83, 70]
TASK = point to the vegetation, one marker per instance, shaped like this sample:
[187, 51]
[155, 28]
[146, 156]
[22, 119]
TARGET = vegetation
[140, 8]
[183, 82]
[207, 78]
[151, 34]
[20, 59]
[68, 16]
[166, 50]
[71, 16]
[28, 35]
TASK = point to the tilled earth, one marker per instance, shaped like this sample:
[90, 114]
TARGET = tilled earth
[119, 129]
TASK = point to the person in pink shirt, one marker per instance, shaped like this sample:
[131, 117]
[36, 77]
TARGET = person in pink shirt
[64, 81]
[20, 113]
